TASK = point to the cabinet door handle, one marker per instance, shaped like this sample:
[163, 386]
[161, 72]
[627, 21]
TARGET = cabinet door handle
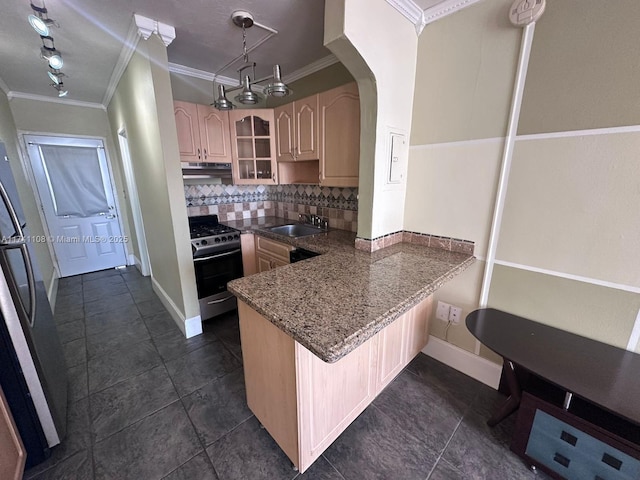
[205, 153]
[273, 176]
[199, 154]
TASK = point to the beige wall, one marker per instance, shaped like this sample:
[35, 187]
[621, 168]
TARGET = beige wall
[605, 314]
[142, 104]
[384, 64]
[583, 71]
[465, 71]
[568, 207]
[568, 243]
[9, 136]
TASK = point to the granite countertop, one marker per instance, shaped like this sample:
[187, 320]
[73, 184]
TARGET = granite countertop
[333, 303]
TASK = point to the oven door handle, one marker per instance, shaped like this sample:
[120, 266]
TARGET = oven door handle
[219, 255]
[212, 302]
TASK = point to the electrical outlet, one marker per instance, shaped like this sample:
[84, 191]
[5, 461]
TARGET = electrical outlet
[442, 311]
[454, 314]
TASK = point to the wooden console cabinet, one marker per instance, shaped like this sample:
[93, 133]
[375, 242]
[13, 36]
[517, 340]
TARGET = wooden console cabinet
[306, 403]
[579, 414]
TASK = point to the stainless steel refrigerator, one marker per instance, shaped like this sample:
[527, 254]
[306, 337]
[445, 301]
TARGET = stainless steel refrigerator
[32, 366]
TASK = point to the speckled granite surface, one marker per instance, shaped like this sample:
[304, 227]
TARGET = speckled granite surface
[335, 302]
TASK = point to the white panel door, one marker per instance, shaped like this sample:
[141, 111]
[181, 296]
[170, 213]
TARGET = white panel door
[76, 193]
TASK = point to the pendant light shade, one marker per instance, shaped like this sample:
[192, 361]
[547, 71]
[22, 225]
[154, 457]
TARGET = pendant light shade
[221, 103]
[247, 97]
[277, 87]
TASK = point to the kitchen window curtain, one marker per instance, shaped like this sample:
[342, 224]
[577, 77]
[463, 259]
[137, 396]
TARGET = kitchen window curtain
[75, 180]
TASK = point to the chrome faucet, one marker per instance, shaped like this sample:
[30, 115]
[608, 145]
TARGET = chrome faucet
[315, 220]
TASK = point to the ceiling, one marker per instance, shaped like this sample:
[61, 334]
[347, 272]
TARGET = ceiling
[92, 33]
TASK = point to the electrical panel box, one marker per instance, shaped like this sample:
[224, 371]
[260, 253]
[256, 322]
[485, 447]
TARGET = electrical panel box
[397, 161]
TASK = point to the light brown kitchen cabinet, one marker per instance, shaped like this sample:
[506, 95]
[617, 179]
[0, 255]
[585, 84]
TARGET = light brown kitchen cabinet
[203, 133]
[340, 136]
[306, 403]
[253, 146]
[297, 130]
[271, 254]
[248, 246]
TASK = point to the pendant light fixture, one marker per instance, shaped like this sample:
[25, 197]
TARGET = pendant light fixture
[247, 96]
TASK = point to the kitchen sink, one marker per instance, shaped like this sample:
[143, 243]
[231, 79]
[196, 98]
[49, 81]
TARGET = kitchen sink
[296, 230]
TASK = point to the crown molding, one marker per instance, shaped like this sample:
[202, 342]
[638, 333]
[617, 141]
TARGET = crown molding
[147, 26]
[445, 8]
[202, 74]
[128, 48]
[232, 82]
[411, 12]
[311, 68]
[64, 101]
[4, 87]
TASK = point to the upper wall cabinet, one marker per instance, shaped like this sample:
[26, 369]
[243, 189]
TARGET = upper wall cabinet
[253, 147]
[297, 130]
[203, 133]
[340, 136]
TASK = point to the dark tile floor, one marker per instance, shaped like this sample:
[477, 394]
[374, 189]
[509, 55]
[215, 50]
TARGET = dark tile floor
[145, 404]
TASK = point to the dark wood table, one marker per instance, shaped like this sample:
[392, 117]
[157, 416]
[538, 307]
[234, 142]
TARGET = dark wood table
[601, 374]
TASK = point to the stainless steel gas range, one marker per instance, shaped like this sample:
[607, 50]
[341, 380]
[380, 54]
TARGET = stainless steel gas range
[217, 258]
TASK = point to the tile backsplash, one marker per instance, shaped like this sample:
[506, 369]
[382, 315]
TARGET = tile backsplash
[236, 202]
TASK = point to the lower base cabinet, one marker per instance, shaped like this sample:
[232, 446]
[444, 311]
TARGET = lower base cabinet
[271, 254]
[305, 403]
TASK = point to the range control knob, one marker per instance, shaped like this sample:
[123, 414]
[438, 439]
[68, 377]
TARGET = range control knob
[217, 240]
[224, 239]
[236, 236]
[204, 242]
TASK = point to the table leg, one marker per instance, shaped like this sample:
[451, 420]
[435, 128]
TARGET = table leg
[512, 402]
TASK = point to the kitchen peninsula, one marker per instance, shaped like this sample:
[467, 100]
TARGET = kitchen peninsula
[321, 338]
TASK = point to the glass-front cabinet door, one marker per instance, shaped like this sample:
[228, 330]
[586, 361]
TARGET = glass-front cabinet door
[253, 146]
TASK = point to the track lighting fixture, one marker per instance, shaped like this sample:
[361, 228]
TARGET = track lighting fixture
[41, 23]
[40, 20]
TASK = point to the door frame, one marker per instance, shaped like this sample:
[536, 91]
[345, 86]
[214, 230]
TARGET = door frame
[134, 201]
[29, 173]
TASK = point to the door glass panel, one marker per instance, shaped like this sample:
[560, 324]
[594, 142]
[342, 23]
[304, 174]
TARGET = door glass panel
[74, 180]
[247, 169]
[260, 127]
[263, 147]
[243, 127]
[264, 168]
[245, 148]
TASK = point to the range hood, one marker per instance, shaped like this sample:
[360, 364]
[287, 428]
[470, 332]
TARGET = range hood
[206, 170]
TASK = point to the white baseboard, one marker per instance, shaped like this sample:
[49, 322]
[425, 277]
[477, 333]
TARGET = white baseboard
[190, 326]
[52, 292]
[481, 369]
[193, 326]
